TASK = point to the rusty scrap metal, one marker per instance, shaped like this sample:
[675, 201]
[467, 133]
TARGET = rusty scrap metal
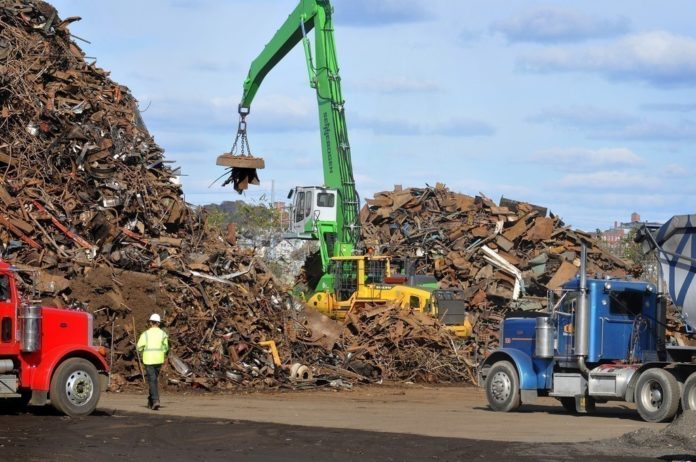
[87, 198]
[504, 256]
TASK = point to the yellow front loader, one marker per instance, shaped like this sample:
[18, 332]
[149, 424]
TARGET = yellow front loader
[361, 280]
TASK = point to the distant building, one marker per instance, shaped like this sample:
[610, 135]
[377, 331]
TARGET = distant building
[614, 236]
[284, 213]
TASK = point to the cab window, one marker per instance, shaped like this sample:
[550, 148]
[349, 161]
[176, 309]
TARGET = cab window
[4, 288]
[299, 209]
[325, 199]
[6, 329]
[627, 303]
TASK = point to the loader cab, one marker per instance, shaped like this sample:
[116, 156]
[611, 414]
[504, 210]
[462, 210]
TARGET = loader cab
[358, 275]
[310, 204]
[360, 280]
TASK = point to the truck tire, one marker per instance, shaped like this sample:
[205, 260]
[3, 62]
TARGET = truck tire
[657, 395]
[75, 387]
[503, 387]
[688, 399]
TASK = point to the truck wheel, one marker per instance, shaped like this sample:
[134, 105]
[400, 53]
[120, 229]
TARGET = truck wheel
[657, 395]
[75, 387]
[503, 387]
[689, 393]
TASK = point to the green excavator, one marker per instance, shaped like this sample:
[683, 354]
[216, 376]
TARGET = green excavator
[328, 213]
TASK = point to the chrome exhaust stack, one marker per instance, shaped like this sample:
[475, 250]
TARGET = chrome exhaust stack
[582, 316]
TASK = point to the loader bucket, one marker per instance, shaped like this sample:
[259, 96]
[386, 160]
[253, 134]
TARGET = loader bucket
[243, 170]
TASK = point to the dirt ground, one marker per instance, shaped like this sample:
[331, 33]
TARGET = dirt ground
[409, 423]
[452, 411]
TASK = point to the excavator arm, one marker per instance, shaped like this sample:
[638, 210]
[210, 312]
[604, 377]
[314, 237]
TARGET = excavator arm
[337, 233]
[284, 40]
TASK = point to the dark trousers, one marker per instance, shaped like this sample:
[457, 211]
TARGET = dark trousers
[152, 373]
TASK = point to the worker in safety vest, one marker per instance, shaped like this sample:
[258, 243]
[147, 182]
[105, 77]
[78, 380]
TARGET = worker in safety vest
[153, 345]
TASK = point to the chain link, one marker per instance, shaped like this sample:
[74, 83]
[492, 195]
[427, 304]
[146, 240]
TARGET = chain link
[241, 141]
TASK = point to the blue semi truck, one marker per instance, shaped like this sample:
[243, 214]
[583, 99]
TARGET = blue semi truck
[604, 339]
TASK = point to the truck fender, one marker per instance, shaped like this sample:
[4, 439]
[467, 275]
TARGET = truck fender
[41, 379]
[521, 361]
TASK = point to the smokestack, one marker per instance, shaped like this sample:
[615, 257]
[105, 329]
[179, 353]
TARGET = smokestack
[582, 321]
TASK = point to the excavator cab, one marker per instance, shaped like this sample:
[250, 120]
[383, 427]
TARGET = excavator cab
[310, 204]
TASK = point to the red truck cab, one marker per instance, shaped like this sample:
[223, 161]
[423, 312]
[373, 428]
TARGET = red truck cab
[47, 353]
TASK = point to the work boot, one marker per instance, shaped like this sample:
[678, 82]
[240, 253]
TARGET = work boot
[155, 405]
[149, 404]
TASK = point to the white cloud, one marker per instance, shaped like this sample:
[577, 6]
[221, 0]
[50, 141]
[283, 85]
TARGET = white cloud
[648, 130]
[368, 13]
[468, 36]
[454, 127]
[610, 180]
[581, 116]
[272, 104]
[587, 159]
[670, 107]
[555, 24]
[604, 124]
[383, 126]
[461, 126]
[659, 58]
[270, 113]
[399, 85]
[675, 171]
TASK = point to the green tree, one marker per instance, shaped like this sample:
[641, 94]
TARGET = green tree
[630, 250]
[216, 218]
[253, 218]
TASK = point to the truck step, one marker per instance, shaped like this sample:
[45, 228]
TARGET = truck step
[8, 386]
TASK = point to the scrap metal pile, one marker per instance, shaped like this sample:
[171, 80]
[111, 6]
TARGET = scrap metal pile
[380, 341]
[81, 178]
[407, 346]
[89, 209]
[495, 253]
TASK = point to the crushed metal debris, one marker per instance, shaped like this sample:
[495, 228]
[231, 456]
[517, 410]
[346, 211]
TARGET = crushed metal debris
[90, 208]
[505, 258]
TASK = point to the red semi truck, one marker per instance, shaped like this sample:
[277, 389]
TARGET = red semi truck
[47, 353]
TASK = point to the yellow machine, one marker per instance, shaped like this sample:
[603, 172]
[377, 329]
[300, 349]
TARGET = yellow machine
[359, 280]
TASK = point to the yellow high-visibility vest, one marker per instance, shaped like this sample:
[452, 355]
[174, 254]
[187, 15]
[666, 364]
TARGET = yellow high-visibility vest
[153, 344]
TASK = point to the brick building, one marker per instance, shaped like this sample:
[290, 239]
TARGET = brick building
[614, 236]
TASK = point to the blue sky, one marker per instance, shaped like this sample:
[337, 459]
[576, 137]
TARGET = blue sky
[587, 107]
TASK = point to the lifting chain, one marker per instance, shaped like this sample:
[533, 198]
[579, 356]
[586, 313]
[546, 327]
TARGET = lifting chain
[241, 141]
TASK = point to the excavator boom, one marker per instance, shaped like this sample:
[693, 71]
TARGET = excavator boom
[332, 216]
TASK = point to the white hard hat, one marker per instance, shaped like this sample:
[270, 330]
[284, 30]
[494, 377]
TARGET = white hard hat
[155, 318]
